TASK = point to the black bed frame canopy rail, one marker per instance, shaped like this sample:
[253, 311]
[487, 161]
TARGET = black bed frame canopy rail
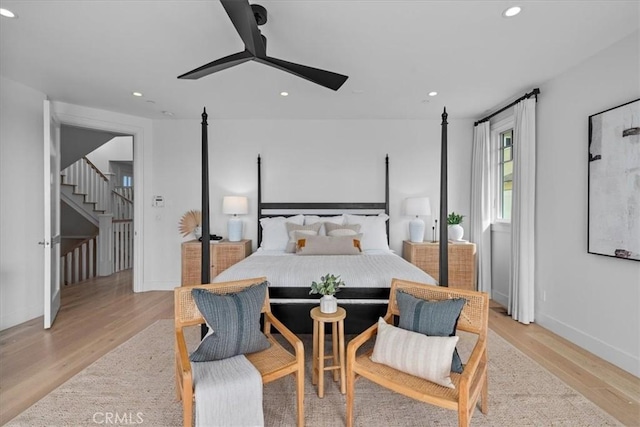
[534, 92]
[326, 208]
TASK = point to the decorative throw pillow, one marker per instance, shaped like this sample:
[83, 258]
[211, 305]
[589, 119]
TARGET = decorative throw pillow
[414, 353]
[373, 229]
[312, 219]
[433, 318]
[234, 323]
[274, 231]
[341, 229]
[293, 229]
[326, 245]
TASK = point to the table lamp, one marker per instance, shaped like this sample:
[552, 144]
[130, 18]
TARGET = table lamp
[417, 206]
[234, 205]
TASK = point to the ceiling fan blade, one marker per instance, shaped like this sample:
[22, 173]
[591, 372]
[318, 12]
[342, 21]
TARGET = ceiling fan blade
[218, 65]
[242, 17]
[324, 78]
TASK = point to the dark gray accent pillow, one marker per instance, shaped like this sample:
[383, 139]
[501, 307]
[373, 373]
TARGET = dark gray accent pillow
[234, 323]
[434, 318]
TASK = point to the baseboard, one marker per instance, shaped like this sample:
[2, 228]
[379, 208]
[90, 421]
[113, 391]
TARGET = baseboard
[500, 298]
[611, 354]
[7, 320]
[159, 286]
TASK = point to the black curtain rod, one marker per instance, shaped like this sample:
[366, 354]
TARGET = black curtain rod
[534, 92]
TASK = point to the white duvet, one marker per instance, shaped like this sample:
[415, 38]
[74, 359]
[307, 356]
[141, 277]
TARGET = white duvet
[357, 271]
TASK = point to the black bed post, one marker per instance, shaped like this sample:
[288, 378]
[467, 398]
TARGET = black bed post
[386, 191]
[444, 234]
[205, 274]
[259, 202]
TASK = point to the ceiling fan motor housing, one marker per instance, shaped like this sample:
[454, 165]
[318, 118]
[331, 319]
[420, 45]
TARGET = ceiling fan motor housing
[260, 13]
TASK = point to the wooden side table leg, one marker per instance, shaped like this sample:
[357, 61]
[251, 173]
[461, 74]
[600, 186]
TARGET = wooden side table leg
[342, 365]
[334, 349]
[321, 359]
[314, 357]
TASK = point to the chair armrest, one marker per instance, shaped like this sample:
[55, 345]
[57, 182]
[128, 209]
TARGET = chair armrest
[364, 336]
[182, 356]
[295, 342]
[474, 361]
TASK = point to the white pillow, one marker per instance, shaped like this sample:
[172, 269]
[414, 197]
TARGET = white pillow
[312, 219]
[341, 229]
[415, 353]
[293, 229]
[274, 231]
[373, 229]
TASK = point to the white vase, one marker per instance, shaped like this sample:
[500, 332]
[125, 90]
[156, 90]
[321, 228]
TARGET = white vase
[456, 232]
[197, 232]
[328, 304]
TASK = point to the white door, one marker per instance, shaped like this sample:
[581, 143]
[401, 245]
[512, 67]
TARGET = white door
[51, 242]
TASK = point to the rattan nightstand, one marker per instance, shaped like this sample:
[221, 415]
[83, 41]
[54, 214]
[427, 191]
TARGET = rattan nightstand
[223, 255]
[462, 261]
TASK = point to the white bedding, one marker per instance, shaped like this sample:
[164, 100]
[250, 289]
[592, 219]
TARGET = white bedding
[370, 270]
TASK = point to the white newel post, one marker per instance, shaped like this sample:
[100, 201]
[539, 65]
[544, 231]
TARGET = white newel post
[105, 245]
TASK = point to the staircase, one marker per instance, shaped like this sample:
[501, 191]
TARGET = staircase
[90, 193]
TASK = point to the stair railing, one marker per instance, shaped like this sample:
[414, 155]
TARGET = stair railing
[112, 250]
[79, 263]
[88, 180]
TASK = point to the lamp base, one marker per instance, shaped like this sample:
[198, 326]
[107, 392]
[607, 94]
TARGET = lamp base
[416, 230]
[234, 229]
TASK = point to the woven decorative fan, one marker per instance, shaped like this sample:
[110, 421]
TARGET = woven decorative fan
[189, 222]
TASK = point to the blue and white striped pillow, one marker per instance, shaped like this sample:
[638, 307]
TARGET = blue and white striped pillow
[234, 323]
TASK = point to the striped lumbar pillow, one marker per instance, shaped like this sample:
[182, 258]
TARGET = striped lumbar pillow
[234, 323]
[414, 353]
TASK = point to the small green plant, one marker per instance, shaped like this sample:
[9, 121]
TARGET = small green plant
[454, 218]
[328, 285]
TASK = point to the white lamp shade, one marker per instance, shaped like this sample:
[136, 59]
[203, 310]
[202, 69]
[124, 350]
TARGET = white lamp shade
[417, 206]
[235, 205]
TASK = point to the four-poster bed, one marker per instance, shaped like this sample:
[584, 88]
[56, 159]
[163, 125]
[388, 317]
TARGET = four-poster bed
[368, 275]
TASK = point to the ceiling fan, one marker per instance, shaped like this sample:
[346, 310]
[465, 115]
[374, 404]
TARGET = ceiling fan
[245, 19]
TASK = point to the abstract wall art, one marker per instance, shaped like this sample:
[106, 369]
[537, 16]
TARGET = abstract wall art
[614, 182]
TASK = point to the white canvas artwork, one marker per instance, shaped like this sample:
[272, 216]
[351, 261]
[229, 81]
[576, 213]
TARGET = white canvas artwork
[614, 182]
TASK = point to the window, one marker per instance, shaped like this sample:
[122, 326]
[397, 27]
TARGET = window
[505, 175]
[502, 166]
[126, 181]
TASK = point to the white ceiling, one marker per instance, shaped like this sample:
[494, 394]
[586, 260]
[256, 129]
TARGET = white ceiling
[95, 53]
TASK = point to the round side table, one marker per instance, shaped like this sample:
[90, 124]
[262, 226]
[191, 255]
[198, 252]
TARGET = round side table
[337, 322]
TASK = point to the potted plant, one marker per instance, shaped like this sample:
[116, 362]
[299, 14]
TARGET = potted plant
[455, 229]
[328, 285]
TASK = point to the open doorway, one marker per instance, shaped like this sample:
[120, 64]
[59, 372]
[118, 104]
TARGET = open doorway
[97, 208]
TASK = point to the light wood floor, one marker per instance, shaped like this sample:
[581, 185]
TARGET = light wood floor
[98, 315]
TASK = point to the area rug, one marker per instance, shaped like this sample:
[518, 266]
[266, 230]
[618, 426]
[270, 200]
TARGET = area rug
[134, 385]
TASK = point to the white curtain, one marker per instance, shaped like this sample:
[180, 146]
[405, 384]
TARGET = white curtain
[481, 197]
[521, 297]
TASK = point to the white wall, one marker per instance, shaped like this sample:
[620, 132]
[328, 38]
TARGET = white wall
[303, 160]
[21, 203]
[118, 148]
[591, 300]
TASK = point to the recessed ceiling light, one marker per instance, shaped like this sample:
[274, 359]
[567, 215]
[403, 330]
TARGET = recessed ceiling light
[434, 93]
[167, 113]
[7, 13]
[284, 93]
[136, 93]
[512, 11]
